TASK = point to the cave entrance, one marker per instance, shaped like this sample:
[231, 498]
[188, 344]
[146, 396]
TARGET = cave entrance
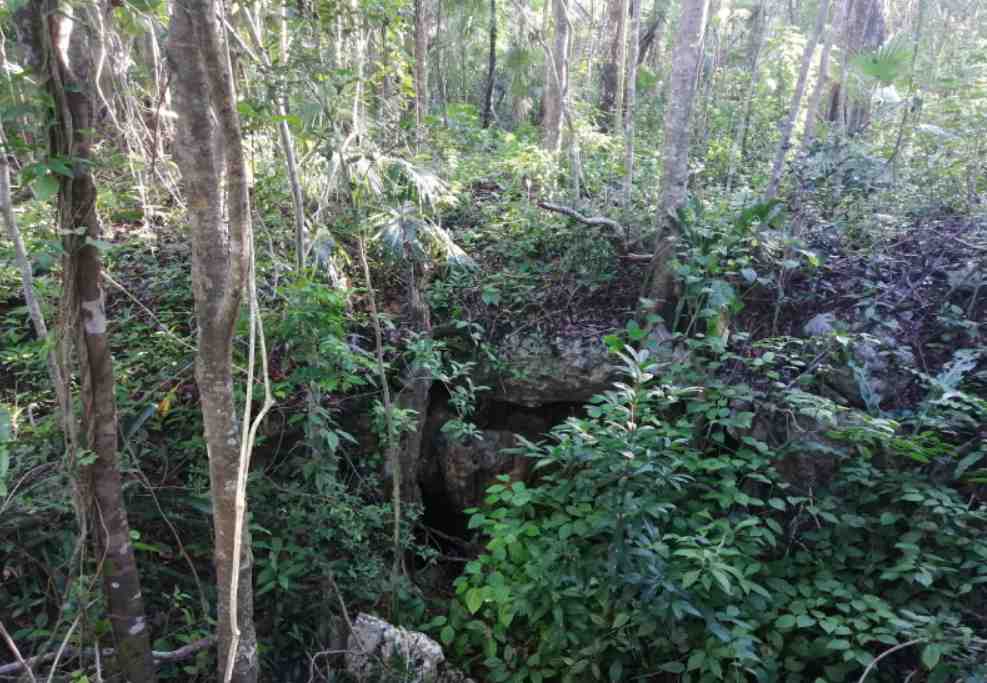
[455, 475]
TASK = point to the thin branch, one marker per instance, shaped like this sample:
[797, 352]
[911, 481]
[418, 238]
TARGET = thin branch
[20, 665]
[162, 657]
[392, 456]
[884, 654]
[61, 648]
[588, 220]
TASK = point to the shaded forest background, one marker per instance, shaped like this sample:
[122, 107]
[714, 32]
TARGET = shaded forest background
[595, 339]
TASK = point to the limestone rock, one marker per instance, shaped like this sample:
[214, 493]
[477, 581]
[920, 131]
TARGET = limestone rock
[560, 370]
[468, 468]
[820, 325]
[376, 648]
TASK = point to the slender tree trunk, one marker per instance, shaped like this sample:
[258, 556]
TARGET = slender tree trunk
[210, 156]
[417, 381]
[384, 71]
[788, 125]
[739, 153]
[297, 200]
[443, 72]
[558, 83]
[686, 58]
[393, 460]
[812, 111]
[421, 71]
[254, 22]
[650, 37]
[66, 50]
[618, 109]
[288, 145]
[837, 109]
[20, 253]
[900, 140]
[868, 31]
[864, 29]
[360, 65]
[708, 71]
[631, 102]
[491, 66]
[612, 72]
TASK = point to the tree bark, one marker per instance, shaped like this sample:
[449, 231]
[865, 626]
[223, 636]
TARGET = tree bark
[558, 78]
[611, 75]
[288, 144]
[864, 29]
[254, 28]
[421, 72]
[360, 32]
[675, 172]
[210, 155]
[739, 152]
[491, 66]
[631, 102]
[650, 37]
[812, 111]
[901, 138]
[788, 125]
[868, 31]
[66, 48]
[417, 381]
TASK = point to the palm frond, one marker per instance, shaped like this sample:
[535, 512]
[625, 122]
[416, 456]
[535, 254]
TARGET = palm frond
[454, 255]
[366, 171]
[429, 187]
[399, 232]
[404, 234]
[886, 64]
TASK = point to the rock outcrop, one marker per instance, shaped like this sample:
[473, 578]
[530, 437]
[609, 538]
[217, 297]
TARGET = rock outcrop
[468, 467]
[378, 651]
[560, 370]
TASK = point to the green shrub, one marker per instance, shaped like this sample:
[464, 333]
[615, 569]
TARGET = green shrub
[637, 554]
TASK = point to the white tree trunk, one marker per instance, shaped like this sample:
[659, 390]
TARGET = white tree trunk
[631, 102]
[558, 78]
[675, 174]
[812, 111]
[788, 125]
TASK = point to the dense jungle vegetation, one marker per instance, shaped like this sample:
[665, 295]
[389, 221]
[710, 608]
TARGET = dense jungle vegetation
[493, 340]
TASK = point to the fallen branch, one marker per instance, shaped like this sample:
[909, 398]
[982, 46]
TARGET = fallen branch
[20, 663]
[587, 220]
[160, 657]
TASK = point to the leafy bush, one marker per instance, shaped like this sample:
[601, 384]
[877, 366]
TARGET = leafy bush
[640, 553]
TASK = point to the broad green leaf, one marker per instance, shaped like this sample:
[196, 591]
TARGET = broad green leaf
[474, 600]
[931, 655]
[785, 621]
[45, 186]
[447, 635]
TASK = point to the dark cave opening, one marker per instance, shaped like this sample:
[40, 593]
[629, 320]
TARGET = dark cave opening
[443, 510]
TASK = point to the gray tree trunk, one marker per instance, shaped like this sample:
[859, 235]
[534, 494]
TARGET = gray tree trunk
[611, 75]
[631, 102]
[557, 89]
[864, 29]
[210, 155]
[491, 66]
[65, 48]
[788, 125]
[812, 110]
[686, 57]
[739, 152]
[652, 35]
[421, 71]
